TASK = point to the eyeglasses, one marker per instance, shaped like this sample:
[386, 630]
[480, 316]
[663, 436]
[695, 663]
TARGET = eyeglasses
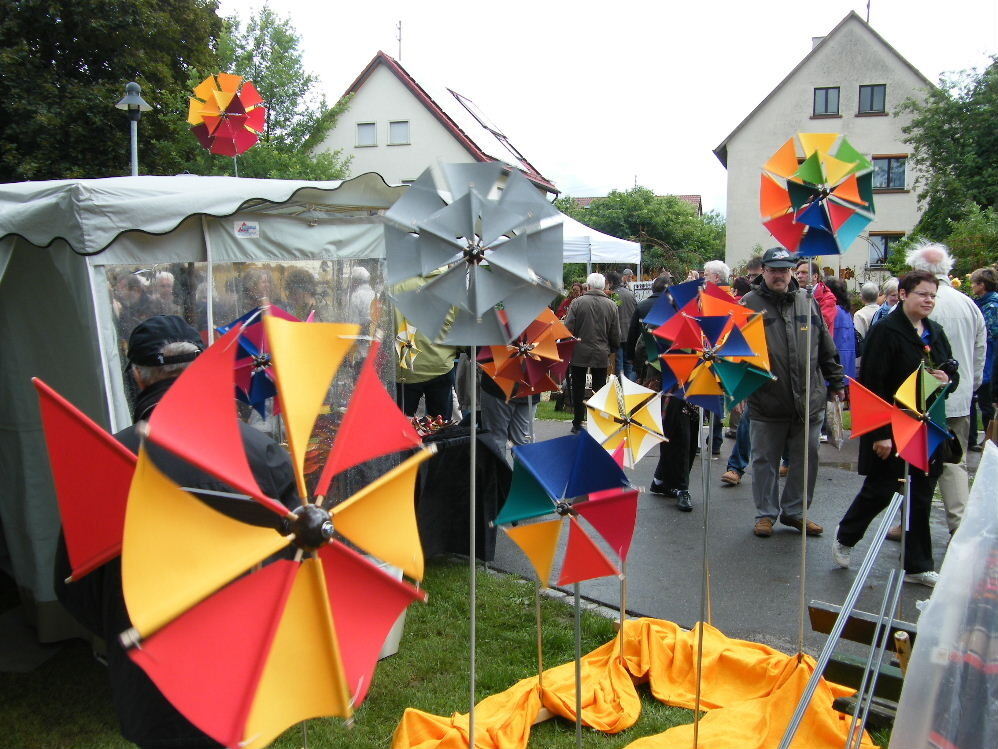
[925, 294]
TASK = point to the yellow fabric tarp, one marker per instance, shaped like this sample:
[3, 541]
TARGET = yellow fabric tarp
[749, 690]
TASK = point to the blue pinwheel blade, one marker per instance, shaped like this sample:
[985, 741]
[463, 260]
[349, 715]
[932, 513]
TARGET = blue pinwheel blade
[936, 436]
[712, 327]
[815, 215]
[713, 403]
[817, 242]
[735, 345]
[570, 466]
[684, 292]
[660, 312]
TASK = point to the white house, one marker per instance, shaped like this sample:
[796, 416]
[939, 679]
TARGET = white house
[395, 128]
[851, 82]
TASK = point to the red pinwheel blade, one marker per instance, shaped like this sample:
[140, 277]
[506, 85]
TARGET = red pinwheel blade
[202, 134]
[614, 514]
[583, 559]
[223, 146]
[235, 106]
[228, 127]
[366, 602]
[869, 411]
[356, 440]
[911, 438]
[211, 122]
[245, 139]
[838, 214]
[256, 118]
[92, 472]
[208, 661]
[786, 231]
[249, 96]
[202, 398]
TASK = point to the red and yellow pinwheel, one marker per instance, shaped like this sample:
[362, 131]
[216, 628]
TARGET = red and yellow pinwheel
[918, 427]
[820, 206]
[227, 114]
[625, 416]
[536, 361]
[717, 351]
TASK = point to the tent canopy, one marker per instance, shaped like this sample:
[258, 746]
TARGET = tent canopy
[586, 245]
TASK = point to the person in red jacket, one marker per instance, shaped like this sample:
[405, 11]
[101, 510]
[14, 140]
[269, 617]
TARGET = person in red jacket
[808, 273]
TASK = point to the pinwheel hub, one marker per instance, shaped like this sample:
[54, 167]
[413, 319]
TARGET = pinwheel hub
[261, 361]
[474, 253]
[524, 349]
[563, 508]
[312, 527]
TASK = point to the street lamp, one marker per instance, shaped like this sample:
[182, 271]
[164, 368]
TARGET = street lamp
[135, 105]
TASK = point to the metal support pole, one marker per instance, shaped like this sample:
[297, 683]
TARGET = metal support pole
[134, 127]
[578, 666]
[805, 357]
[472, 572]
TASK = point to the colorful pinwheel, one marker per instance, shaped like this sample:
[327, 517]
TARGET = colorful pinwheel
[718, 351]
[547, 478]
[254, 378]
[820, 206]
[465, 257]
[227, 114]
[405, 344]
[535, 362]
[918, 428]
[625, 415]
[243, 655]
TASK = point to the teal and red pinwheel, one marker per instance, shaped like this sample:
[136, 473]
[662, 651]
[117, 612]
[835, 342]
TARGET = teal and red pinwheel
[717, 349]
[918, 426]
[818, 206]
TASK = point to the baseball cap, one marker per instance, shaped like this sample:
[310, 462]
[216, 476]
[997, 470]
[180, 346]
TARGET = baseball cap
[777, 257]
[151, 335]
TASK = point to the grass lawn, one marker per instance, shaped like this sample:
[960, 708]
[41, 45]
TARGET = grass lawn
[66, 703]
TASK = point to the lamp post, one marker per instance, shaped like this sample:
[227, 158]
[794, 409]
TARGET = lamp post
[135, 105]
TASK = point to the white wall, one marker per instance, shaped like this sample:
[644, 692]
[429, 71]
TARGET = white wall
[382, 99]
[850, 57]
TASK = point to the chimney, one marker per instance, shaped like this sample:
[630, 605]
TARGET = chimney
[815, 41]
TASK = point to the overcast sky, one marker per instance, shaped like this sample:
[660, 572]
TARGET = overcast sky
[598, 95]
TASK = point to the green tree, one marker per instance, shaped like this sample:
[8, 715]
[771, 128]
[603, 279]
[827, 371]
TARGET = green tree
[671, 233]
[63, 66]
[954, 142]
[268, 52]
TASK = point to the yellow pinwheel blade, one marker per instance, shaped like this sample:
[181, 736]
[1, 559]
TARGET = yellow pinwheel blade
[176, 550]
[639, 442]
[703, 382]
[206, 89]
[304, 653]
[605, 429]
[634, 394]
[381, 517]
[817, 142]
[755, 335]
[229, 82]
[784, 161]
[194, 112]
[907, 394]
[222, 99]
[605, 399]
[539, 541]
[835, 169]
[649, 416]
[305, 357]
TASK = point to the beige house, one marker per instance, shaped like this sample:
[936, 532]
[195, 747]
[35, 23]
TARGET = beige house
[851, 82]
[396, 128]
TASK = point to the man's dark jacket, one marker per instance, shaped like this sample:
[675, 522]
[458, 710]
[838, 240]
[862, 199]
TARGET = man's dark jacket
[787, 317]
[96, 601]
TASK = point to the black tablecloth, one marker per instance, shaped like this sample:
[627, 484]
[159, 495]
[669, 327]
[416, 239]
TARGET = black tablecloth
[442, 495]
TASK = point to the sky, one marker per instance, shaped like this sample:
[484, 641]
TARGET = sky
[605, 95]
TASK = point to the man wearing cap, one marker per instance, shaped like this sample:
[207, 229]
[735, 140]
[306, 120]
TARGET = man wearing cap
[778, 408]
[159, 350]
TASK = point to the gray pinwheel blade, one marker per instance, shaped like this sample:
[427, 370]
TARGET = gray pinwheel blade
[520, 205]
[425, 311]
[451, 286]
[435, 252]
[525, 304]
[546, 250]
[491, 286]
[402, 252]
[479, 177]
[455, 223]
[420, 200]
[468, 331]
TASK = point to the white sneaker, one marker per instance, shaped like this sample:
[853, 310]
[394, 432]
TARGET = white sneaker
[928, 579]
[841, 554]
[823, 439]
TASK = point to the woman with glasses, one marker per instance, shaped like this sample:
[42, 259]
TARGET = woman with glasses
[902, 341]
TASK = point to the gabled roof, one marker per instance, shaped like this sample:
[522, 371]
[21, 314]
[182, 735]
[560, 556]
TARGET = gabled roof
[450, 121]
[694, 200]
[722, 150]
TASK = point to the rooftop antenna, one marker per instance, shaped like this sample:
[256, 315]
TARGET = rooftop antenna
[399, 29]
[868, 10]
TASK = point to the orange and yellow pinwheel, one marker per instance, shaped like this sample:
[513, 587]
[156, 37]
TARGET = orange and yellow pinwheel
[819, 206]
[535, 361]
[227, 114]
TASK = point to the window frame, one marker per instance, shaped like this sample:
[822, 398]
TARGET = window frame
[838, 101]
[889, 157]
[374, 130]
[871, 112]
[408, 133]
[890, 238]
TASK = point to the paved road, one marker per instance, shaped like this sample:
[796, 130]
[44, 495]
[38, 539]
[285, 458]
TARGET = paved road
[755, 582]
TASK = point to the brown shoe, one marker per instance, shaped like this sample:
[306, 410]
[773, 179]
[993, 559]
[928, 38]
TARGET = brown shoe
[894, 534]
[784, 470]
[731, 478]
[763, 528]
[813, 529]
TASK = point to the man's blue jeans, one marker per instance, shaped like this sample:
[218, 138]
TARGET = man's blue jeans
[740, 453]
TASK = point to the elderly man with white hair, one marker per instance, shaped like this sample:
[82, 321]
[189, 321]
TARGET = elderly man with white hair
[592, 318]
[967, 333]
[868, 293]
[716, 271]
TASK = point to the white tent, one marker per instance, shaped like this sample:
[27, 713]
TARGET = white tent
[586, 245]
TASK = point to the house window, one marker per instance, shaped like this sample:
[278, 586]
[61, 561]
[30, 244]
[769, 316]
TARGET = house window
[888, 172]
[872, 99]
[398, 133]
[367, 134]
[826, 101]
[881, 246]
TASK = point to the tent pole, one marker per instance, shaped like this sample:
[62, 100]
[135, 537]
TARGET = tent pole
[209, 279]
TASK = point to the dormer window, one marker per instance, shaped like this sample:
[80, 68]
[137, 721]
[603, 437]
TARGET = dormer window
[826, 101]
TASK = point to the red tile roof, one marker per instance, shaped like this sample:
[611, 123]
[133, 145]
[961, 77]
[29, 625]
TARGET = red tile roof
[441, 116]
